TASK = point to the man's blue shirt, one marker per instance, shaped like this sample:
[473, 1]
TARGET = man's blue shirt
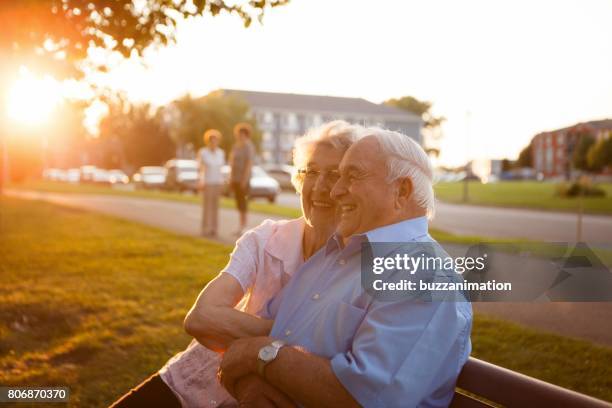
[398, 353]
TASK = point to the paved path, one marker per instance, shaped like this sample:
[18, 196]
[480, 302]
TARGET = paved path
[495, 222]
[590, 321]
[175, 216]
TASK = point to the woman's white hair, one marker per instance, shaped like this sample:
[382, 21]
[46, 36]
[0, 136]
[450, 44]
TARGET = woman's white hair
[337, 134]
[406, 158]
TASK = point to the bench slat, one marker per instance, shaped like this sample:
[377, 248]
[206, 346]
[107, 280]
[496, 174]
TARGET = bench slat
[512, 389]
[465, 401]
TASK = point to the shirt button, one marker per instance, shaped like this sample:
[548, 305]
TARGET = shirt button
[287, 332]
[316, 296]
[342, 262]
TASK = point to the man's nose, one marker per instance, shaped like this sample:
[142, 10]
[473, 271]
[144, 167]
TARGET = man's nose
[338, 189]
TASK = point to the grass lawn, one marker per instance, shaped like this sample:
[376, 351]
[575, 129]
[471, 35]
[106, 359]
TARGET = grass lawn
[96, 303]
[525, 194]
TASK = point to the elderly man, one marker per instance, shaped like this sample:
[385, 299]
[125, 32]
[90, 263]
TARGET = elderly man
[332, 343]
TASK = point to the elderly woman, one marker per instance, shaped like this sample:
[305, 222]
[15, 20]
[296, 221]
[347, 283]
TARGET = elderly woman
[210, 161]
[260, 265]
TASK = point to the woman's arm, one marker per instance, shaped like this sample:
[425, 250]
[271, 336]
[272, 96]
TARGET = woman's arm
[215, 323]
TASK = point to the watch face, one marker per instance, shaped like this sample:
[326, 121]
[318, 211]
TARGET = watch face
[266, 353]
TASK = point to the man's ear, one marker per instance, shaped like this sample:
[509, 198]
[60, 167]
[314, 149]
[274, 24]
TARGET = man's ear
[405, 188]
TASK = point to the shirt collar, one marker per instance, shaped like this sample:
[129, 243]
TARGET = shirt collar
[290, 255]
[403, 231]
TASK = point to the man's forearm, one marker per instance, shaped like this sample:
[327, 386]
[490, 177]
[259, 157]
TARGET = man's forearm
[221, 325]
[308, 379]
[305, 377]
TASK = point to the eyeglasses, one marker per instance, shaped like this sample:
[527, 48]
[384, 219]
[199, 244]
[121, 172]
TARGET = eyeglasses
[330, 176]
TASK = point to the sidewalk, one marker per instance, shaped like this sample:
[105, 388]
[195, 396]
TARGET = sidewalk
[183, 218]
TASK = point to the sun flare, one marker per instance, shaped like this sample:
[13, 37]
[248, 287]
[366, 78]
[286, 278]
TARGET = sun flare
[31, 99]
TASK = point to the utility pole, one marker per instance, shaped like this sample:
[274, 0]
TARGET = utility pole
[466, 195]
[4, 157]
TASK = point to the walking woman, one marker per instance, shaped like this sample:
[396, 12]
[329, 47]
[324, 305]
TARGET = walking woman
[210, 160]
[242, 159]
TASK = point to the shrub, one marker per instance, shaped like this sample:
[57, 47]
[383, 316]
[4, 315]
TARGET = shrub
[578, 188]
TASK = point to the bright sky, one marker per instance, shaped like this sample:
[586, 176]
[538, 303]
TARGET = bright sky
[519, 67]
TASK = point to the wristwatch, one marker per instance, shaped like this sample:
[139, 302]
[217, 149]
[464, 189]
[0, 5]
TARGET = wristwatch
[267, 354]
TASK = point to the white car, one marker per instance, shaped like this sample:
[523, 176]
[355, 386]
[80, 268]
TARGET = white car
[181, 175]
[281, 173]
[73, 175]
[117, 176]
[150, 177]
[261, 184]
[100, 176]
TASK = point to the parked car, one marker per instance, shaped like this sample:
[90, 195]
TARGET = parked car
[181, 175]
[150, 177]
[52, 174]
[100, 176]
[281, 173]
[116, 176]
[87, 173]
[261, 184]
[73, 175]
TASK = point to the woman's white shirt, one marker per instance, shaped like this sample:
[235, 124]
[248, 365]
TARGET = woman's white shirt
[211, 163]
[262, 261]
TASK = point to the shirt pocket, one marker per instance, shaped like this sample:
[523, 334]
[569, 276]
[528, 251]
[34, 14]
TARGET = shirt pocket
[336, 328]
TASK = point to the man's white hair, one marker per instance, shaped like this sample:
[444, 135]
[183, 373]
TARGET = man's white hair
[406, 158]
[337, 134]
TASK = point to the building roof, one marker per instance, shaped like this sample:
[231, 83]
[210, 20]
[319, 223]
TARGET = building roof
[318, 103]
[603, 124]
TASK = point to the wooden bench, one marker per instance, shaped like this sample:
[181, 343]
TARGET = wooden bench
[503, 387]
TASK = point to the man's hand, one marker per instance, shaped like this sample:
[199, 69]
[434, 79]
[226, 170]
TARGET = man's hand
[239, 360]
[253, 391]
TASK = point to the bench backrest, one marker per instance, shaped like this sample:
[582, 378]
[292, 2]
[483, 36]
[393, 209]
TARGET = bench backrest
[511, 389]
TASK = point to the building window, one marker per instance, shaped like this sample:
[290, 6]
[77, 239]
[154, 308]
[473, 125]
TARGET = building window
[268, 117]
[287, 141]
[560, 139]
[291, 122]
[549, 160]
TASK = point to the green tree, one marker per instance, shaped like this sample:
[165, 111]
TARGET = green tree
[134, 135]
[599, 155]
[63, 30]
[525, 158]
[189, 118]
[579, 158]
[420, 108]
[54, 36]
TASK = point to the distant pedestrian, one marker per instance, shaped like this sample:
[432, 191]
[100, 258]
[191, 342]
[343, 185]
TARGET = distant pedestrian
[210, 160]
[241, 160]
